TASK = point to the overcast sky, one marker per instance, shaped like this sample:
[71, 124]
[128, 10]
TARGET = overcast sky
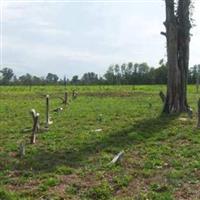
[69, 38]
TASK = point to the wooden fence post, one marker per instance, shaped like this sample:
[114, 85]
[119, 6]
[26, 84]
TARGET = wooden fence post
[198, 114]
[65, 98]
[47, 112]
[198, 80]
[47, 115]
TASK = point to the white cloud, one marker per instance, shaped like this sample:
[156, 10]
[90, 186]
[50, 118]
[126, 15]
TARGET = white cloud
[86, 37]
[195, 39]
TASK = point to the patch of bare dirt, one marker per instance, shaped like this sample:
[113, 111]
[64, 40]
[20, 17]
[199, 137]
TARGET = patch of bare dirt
[141, 185]
[188, 192]
[68, 180]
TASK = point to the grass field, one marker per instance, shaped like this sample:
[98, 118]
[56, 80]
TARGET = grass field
[72, 160]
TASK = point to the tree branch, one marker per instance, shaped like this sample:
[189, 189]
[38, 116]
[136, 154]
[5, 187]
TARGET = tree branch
[163, 33]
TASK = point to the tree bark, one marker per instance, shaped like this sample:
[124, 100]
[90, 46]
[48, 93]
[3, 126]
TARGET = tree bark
[178, 38]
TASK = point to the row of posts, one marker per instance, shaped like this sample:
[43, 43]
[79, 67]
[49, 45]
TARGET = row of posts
[35, 115]
[36, 125]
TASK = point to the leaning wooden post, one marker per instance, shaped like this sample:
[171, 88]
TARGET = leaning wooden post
[35, 125]
[47, 111]
[198, 114]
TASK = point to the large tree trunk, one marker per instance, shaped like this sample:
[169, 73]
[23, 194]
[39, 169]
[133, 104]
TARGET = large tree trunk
[178, 38]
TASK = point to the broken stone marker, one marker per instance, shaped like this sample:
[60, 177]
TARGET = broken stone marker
[35, 125]
[74, 94]
[190, 113]
[117, 158]
[21, 150]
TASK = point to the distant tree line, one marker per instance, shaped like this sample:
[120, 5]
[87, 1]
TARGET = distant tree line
[127, 73]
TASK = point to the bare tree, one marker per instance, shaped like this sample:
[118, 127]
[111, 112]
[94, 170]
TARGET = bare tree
[178, 25]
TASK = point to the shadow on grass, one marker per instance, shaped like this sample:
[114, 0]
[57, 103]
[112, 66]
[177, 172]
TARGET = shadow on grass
[46, 161]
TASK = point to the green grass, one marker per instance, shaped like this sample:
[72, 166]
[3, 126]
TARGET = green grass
[72, 159]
